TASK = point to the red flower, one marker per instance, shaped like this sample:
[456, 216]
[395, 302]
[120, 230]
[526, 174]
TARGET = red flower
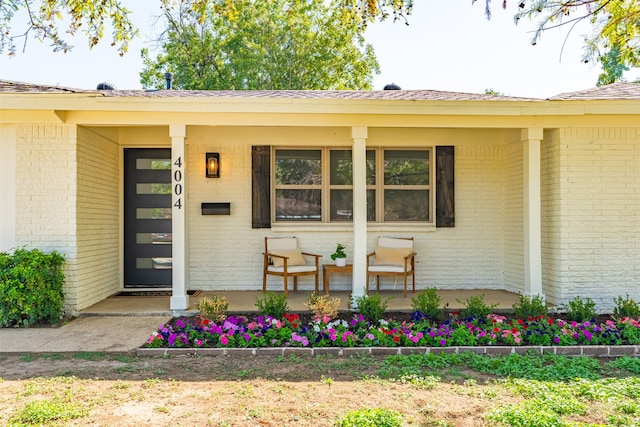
[550, 321]
[496, 329]
[520, 321]
[396, 339]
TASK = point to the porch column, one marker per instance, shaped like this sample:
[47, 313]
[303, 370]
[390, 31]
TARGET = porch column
[179, 298]
[359, 153]
[531, 139]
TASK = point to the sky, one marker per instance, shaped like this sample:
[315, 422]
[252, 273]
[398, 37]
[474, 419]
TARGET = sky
[448, 45]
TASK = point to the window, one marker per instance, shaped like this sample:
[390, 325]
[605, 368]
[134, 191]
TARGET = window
[316, 185]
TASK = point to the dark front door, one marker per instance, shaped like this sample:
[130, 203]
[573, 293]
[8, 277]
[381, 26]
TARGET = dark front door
[147, 218]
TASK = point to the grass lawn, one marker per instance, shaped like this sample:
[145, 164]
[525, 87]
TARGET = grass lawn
[426, 390]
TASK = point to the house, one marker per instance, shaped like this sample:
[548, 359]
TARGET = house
[525, 195]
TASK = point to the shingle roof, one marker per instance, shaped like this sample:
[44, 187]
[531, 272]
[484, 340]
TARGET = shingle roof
[609, 92]
[390, 95]
[615, 91]
[8, 86]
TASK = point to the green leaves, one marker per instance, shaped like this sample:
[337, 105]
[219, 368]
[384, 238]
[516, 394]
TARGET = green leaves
[46, 17]
[266, 45]
[615, 28]
[31, 287]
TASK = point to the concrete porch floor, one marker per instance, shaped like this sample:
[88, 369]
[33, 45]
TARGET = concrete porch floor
[244, 301]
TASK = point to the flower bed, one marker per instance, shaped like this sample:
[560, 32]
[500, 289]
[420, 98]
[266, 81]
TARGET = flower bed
[291, 331]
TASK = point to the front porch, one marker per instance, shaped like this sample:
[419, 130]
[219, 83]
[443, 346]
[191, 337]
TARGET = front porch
[244, 302]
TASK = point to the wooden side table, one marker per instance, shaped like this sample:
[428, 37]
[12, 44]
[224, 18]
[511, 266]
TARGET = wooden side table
[327, 269]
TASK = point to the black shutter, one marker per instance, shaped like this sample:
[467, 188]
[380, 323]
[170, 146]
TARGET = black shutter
[261, 193]
[445, 195]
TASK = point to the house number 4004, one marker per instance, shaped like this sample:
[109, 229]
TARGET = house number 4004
[177, 178]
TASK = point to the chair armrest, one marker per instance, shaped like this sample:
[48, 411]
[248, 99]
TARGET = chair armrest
[310, 254]
[411, 255]
[276, 255]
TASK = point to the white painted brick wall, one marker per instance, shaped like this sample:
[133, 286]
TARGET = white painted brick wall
[98, 228]
[46, 194]
[599, 241]
[551, 222]
[225, 253]
[513, 218]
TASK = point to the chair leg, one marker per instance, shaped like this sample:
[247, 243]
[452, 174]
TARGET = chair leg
[286, 285]
[295, 283]
[264, 282]
[413, 280]
[317, 282]
[378, 283]
[405, 286]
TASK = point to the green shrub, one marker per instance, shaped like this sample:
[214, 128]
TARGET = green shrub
[428, 303]
[214, 307]
[274, 305]
[31, 287]
[626, 307]
[371, 417]
[530, 306]
[372, 307]
[581, 311]
[475, 306]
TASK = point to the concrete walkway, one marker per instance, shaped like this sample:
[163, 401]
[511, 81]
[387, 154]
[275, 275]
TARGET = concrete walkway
[122, 324]
[109, 334]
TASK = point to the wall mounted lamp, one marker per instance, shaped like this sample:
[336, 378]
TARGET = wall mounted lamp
[213, 165]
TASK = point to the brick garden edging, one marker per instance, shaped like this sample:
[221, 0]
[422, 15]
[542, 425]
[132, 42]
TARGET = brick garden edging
[574, 350]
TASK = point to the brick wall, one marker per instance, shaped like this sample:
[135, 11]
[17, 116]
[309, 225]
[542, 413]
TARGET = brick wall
[46, 190]
[552, 204]
[98, 213]
[599, 239]
[513, 218]
[225, 252]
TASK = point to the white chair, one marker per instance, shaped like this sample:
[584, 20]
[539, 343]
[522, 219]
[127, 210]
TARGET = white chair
[283, 257]
[392, 257]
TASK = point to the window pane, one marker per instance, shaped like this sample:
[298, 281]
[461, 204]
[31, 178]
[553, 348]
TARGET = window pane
[292, 205]
[406, 167]
[157, 263]
[341, 205]
[153, 213]
[153, 188]
[153, 238]
[341, 167]
[298, 167]
[153, 164]
[406, 205]
[371, 205]
[371, 167]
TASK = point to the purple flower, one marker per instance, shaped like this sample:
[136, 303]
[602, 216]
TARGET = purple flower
[172, 339]
[443, 342]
